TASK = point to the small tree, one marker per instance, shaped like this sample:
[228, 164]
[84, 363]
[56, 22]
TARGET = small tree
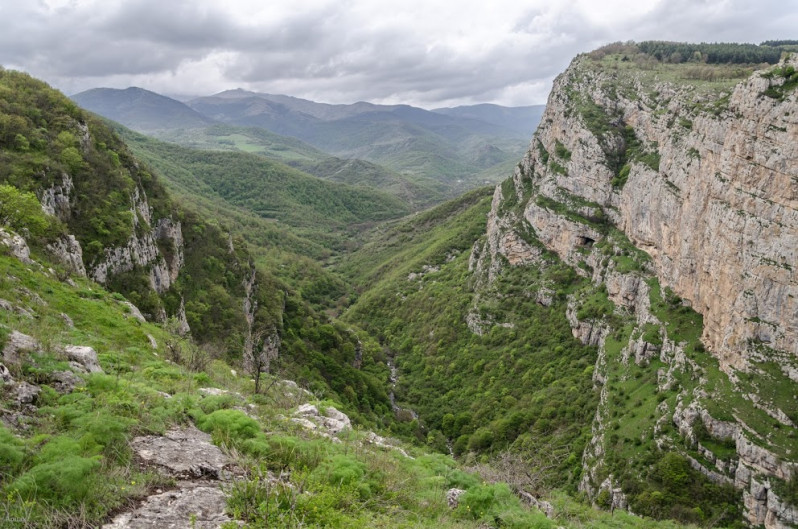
[21, 211]
[259, 353]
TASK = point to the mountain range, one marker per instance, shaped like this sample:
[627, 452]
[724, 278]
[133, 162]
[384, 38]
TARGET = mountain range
[444, 151]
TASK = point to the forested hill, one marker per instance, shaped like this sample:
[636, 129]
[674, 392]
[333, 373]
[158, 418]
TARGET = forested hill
[141, 109]
[319, 209]
[415, 190]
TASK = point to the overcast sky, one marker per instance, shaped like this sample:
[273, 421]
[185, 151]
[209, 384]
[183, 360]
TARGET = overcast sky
[423, 52]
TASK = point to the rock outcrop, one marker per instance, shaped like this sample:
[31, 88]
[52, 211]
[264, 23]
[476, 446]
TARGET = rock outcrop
[56, 199]
[16, 245]
[67, 251]
[328, 421]
[16, 344]
[84, 356]
[719, 217]
[636, 182]
[139, 251]
[187, 455]
[261, 346]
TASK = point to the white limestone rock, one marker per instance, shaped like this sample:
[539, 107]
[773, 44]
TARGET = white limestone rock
[85, 356]
[17, 245]
[16, 344]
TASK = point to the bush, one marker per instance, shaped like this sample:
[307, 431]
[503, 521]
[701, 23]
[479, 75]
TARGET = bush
[229, 427]
[66, 481]
[21, 211]
[481, 440]
[105, 431]
[287, 452]
[342, 470]
[11, 453]
[497, 505]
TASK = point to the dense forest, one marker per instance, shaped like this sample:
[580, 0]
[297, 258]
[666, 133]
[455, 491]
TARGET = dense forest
[708, 53]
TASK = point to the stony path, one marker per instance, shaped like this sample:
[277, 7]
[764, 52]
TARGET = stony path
[198, 502]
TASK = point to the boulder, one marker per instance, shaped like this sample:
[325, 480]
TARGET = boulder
[16, 245]
[85, 356]
[68, 321]
[5, 375]
[134, 311]
[64, 381]
[330, 422]
[26, 393]
[16, 344]
[453, 497]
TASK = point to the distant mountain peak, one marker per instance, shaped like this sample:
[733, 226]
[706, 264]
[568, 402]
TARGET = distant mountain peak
[237, 93]
[141, 109]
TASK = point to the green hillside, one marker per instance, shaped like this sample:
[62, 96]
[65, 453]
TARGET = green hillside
[255, 140]
[417, 191]
[481, 393]
[65, 459]
[212, 274]
[495, 374]
[324, 212]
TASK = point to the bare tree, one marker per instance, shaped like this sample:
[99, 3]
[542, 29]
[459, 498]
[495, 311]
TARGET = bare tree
[531, 471]
[259, 353]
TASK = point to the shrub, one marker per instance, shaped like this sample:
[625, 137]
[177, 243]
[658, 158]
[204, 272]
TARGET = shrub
[562, 151]
[481, 439]
[21, 211]
[620, 179]
[65, 482]
[104, 430]
[230, 427]
[281, 452]
[342, 470]
[11, 453]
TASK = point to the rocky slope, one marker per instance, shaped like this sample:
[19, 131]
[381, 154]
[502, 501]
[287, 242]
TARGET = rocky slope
[677, 199]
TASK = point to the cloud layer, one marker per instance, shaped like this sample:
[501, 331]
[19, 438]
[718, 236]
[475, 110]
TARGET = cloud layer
[423, 52]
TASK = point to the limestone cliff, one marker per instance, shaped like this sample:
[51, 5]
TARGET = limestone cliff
[718, 217]
[147, 234]
[673, 196]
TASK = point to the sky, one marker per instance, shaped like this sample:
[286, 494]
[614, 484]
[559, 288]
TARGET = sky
[428, 53]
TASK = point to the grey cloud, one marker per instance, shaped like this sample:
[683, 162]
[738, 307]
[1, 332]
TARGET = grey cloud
[331, 53]
[718, 20]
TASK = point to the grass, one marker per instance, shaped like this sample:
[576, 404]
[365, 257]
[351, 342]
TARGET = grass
[716, 78]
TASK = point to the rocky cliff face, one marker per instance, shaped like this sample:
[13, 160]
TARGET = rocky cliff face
[673, 197]
[719, 217]
[144, 248]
